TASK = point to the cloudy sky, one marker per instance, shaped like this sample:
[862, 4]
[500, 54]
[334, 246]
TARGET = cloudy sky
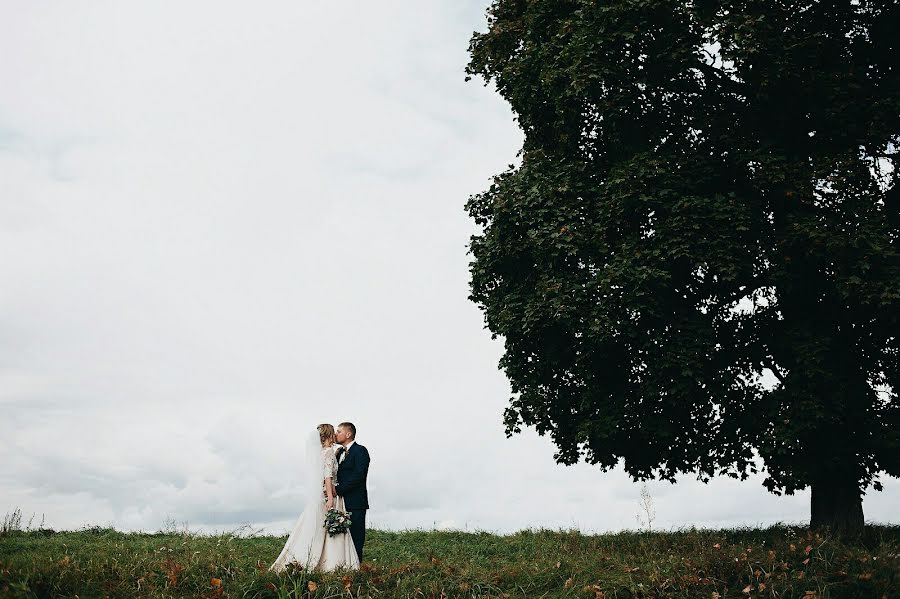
[221, 226]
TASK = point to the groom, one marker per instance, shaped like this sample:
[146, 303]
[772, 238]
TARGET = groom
[353, 466]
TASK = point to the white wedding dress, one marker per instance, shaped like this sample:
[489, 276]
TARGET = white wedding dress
[309, 544]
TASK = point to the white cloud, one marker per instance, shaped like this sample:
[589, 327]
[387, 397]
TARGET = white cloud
[221, 226]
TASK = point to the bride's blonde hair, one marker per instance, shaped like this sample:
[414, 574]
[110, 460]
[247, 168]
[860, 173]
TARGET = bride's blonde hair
[326, 433]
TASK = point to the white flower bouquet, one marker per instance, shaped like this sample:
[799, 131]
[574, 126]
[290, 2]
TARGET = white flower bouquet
[337, 522]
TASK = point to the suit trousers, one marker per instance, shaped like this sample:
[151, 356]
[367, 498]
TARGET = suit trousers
[358, 530]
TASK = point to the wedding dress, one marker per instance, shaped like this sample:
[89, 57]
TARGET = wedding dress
[309, 544]
[339, 551]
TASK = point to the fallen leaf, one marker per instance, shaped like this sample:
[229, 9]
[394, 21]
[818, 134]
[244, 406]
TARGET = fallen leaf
[717, 546]
[792, 547]
[569, 582]
[271, 586]
[714, 595]
[312, 586]
[173, 569]
[747, 589]
[806, 561]
[346, 580]
[762, 587]
[808, 549]
[558, 564]
[865, 576]
[216, 582]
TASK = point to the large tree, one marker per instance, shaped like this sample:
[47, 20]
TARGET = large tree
[695, 266]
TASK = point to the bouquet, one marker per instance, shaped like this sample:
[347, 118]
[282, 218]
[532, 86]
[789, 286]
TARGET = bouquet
[337, 522]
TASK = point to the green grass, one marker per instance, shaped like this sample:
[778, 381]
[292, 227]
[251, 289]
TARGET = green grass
[779, 561]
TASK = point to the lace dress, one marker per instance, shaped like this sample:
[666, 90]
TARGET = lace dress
[339, 551]
[309, 543]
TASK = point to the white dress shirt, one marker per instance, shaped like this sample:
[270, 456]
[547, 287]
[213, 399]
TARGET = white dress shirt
[346, 449]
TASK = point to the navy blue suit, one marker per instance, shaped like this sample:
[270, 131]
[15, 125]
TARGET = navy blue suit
[351, 485]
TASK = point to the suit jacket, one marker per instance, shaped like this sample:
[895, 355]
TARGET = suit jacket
[351, 478]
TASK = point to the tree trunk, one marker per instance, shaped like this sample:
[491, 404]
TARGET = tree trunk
[836, 504]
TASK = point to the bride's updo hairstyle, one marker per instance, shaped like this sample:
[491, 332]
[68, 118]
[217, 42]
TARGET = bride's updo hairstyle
[326, 433]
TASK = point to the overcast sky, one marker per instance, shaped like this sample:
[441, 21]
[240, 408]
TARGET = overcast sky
[221, 225]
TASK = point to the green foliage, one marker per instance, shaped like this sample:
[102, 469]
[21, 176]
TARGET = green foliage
[707, 197]
[777, 561]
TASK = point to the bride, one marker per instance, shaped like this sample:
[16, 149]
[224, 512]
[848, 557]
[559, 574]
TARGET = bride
[309, 544]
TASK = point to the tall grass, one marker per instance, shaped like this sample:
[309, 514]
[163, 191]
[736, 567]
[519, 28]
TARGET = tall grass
[778, 561]
[12, 522]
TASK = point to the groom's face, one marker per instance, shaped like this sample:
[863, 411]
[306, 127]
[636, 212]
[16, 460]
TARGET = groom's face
[340, 435]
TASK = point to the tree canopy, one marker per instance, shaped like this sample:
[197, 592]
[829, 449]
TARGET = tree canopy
[707, 201]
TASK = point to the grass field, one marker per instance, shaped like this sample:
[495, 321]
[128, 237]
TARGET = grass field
[779, 561]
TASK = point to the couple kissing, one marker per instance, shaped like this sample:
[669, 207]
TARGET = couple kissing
[331, 530]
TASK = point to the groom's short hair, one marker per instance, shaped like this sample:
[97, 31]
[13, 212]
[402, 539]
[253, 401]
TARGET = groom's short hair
[348, 426]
